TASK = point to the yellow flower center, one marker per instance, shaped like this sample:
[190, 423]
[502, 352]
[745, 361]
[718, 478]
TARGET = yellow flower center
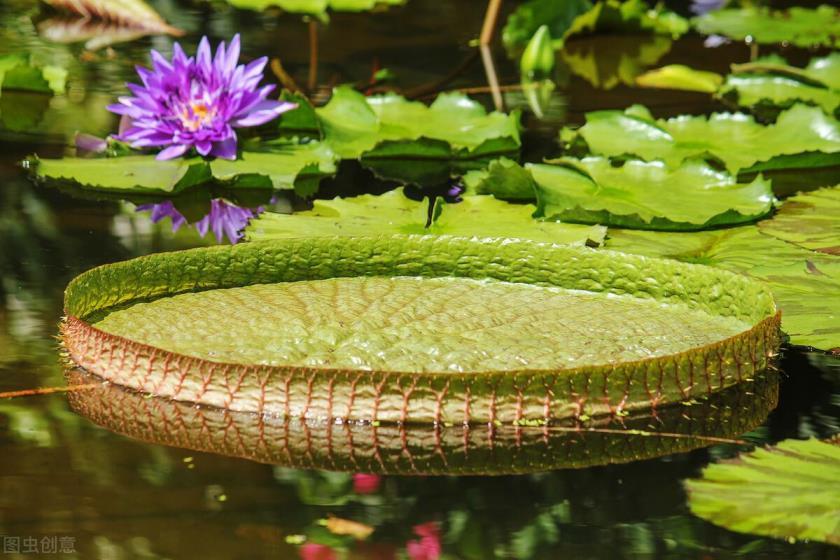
[196, 115]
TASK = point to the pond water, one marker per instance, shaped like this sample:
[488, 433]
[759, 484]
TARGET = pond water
[147, 484]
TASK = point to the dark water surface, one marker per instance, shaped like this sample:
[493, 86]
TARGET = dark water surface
[67, 483]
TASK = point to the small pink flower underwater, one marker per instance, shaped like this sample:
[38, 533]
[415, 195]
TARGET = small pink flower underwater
[197, 102]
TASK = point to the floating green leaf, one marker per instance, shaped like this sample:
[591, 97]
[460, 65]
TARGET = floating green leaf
[17, 72]
[790, 491]
[407, 140]
[802, 27]
[316, 8]
[679, 76]
[647, 195]
[580, 17]
[809, 220]
[733, 138]
[805, 284]
[504, 178]
[607, 61]
[772, 82]
[475, 216]
[285, 167]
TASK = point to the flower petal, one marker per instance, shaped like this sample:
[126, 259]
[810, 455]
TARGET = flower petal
[173, 151]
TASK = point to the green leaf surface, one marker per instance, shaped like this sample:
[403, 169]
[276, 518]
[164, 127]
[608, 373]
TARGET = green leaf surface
[504, 178]
[733, 138]
[282, 168]
[411, 142]
[790, 491]
[810, 220]
[125, 174]
[805, 284]
[679, 76]
[17, 72]
[410, 325]
[801, 27]
[647, 195]
[354, 124]
[318, 8]
[392, 213]
[773, 82]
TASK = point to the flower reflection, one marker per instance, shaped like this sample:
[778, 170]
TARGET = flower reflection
[315, 551]
[224, 218]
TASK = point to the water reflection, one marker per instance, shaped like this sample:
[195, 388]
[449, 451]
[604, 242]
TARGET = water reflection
[426, 449]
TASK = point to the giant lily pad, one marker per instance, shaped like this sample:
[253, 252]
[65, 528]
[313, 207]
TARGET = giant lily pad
[805, 284]
[802, 27]
[810, 220]
[284, 167]
[394, 213]
[418, 329]
[734, 138]
[413, 449]
[790, 491]
[647, 195]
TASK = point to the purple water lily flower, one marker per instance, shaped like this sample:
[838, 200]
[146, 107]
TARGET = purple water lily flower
[197, 102]
[224, 218]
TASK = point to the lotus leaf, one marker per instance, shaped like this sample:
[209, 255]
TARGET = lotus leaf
[479, 216]
[809, 220]
[790, 491]
[805, 284]
[802, 27]
[647, 195]
[734, 138]
[504, 178]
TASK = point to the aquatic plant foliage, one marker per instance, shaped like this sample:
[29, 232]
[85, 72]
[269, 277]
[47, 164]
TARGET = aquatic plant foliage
[735, 139]
[801, 27]
[647, 195]
[409, 141]
[317, 8]
[390, 213]
[805, 284]
[281, 166]
[680, 76]
[789, 491]
[772, 82]
[688, 331]
[197, 102]
[582, 17]
[809, 220]
[606, 61]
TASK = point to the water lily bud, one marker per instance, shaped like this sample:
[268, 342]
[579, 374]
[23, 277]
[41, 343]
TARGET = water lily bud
[538, 59]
